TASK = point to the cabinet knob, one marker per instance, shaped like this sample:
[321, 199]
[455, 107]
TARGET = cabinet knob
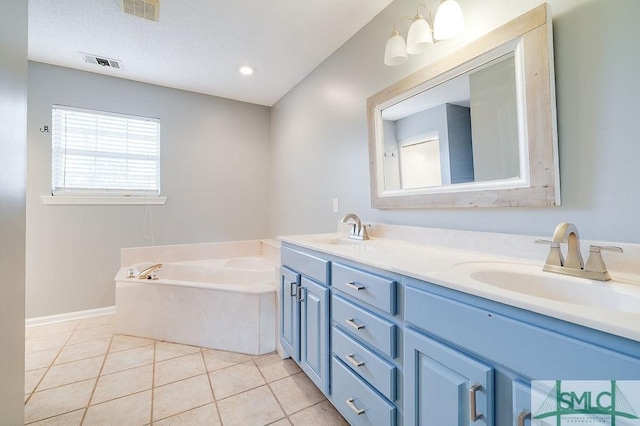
[353, 324]
[351, 404]
[524, 414]
[475, 415]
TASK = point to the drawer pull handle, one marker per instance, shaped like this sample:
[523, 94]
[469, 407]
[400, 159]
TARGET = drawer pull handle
[350, 402]
[353, 324]
[352, 359]
[355, 286]
[524, 414]
[475, 415]
[292, 289]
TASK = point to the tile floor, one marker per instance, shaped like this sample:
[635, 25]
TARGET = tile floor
[80, 373]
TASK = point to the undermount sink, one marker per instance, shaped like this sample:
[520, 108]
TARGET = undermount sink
[335, 241]
[531, 280]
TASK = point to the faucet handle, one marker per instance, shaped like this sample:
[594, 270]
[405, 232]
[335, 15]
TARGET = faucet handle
[595, 262]
[555, 257]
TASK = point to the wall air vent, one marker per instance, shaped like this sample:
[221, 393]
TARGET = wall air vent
[102, 61]
[147, 9]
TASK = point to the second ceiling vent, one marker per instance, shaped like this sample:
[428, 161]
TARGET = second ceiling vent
[147, 9]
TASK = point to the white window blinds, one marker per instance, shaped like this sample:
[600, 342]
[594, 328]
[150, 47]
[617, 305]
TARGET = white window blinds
[98, 153]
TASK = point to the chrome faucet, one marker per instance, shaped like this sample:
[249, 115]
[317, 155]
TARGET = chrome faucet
[358, 230]
[148, 274]
[595, 269]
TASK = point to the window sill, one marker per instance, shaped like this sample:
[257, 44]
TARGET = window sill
[78, 200]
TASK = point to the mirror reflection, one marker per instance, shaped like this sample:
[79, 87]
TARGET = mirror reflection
[463, 130]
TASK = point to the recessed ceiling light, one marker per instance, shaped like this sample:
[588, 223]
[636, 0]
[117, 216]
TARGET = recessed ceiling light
[246, 70]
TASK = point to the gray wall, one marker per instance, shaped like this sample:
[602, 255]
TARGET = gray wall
[319, 129]
[13, 143]
[215, 173]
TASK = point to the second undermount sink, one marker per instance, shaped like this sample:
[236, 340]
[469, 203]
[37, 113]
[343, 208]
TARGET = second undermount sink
[531, 280]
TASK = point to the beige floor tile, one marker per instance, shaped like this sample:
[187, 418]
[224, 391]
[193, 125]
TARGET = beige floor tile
[184, 395]
[283, 422]
[296, 392]
[31, 379]
[180, 368]
[166, 350]
[36, 360]
[28, 332]
[131, 358]
[122, 342]
[97, 321]
[235, 379]
[323, 414]
[123, 383]
[274, 368]
[216, 360]
[255, 407]
[38, 344]
[69, 419]
[206, 415]
[83, 350]
[130, 410]
[71, 372]
[93, 333]
[55, 328]
[63, 399]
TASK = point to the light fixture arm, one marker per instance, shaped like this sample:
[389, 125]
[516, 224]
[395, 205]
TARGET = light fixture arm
[395, 26]
[419, 16]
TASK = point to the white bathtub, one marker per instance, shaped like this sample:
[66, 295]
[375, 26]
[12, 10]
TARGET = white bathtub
[224, 304]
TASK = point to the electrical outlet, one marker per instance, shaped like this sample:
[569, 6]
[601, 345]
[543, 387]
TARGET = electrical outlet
[335, 205]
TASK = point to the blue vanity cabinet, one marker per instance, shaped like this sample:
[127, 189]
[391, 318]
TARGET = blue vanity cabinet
[366, 357]
[443, 386]
[304, 312]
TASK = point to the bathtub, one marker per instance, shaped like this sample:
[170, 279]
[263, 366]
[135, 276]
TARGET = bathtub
[226, 304]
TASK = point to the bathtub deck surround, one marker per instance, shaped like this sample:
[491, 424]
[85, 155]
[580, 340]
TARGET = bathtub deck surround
[80, 372]
[215, 295]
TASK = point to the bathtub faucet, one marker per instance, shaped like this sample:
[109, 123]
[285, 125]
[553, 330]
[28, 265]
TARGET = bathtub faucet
[147, 274]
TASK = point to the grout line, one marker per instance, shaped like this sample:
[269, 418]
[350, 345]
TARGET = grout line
[286, 416]
[153, 381]
[213, 395]
[104, 361]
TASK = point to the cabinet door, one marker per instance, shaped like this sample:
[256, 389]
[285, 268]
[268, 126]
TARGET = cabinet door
[521, 403]
[444, 387]
[314, 333]
[290, 313]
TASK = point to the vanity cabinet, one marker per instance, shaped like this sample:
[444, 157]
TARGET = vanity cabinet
[304, 310]
[394, 350]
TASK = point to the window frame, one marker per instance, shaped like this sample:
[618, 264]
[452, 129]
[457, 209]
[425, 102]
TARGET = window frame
[114, 195]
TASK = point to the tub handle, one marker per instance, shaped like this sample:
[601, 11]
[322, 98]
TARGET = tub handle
[293, 289]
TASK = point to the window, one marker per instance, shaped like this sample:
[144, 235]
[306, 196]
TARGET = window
[104, 154]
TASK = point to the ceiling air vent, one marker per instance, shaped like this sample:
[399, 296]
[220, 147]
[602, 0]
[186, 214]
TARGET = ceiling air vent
[100, 60]
[147, 9]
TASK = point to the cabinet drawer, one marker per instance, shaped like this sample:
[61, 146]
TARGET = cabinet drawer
[377, 372]
[365, 326]
[372, 289]
[311, 266]
[357, 402]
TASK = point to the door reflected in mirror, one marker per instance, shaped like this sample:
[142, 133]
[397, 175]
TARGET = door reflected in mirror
[462, 130]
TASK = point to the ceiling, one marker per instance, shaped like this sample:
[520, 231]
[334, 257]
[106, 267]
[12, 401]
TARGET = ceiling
[197, 45]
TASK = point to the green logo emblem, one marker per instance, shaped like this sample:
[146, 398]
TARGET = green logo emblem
[585, 405]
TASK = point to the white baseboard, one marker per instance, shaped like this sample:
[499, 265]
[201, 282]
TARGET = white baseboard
[31, 322]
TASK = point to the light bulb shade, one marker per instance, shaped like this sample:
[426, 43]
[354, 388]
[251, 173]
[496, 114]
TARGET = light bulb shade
[396, 51]
[448, 21]
[419, 38]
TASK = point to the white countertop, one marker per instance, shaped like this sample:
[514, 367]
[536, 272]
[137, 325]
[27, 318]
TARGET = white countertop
[445, 266]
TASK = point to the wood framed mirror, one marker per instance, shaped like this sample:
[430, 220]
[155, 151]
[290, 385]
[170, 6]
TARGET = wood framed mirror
[474, 129]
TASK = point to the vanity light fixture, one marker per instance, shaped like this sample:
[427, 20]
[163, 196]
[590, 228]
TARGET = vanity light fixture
[448, 22]
[246, 69]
